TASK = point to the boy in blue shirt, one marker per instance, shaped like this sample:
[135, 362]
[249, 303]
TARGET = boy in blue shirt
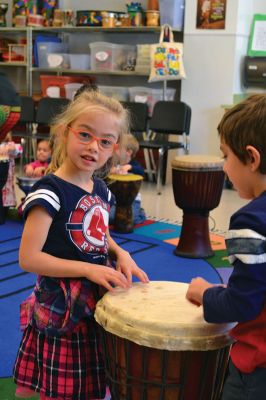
[242, 133]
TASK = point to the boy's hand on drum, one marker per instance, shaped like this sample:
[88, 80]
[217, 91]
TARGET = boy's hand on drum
[128, 267]
[196, 290]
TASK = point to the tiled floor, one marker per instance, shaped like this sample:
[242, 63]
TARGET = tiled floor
[163, 206]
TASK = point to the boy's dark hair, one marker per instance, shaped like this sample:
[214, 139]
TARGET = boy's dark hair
[243, 125]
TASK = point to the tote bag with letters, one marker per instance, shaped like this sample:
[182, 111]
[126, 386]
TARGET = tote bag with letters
[166, 58]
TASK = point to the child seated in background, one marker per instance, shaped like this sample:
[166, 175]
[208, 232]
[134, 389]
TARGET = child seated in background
[38, 167]
[126, 163]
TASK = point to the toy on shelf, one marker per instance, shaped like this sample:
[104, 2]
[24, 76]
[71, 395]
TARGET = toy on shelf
[3, 11]
[17, 52]
[135, 12]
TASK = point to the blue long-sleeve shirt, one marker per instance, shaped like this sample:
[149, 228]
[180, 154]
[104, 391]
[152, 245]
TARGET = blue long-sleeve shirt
[245, 296]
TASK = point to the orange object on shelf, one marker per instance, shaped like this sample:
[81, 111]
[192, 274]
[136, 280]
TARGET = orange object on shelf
[59, 81]
[153, 5]
[152, 18]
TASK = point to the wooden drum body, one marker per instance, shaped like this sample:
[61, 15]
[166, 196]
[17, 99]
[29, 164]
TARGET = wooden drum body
[4, 166]
[157, 345]
[125, 188]
[197, 184]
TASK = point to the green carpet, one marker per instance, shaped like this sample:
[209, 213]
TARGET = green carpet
[7, 390]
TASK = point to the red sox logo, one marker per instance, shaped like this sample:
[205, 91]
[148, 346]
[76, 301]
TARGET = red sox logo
[88, 224]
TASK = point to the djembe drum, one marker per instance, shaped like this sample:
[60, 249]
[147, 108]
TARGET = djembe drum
[25, 183]
[125, 188]
[197, 184]
[158, 346]
[4, 166]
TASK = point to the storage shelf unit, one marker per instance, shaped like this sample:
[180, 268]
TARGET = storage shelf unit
[129, 35]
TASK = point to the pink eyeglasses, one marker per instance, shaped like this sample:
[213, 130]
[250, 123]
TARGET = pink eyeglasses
[88, 137]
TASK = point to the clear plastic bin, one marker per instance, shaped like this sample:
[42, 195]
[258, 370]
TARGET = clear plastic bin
[150, 96]
[79, 61]
[118, 92]
[58, 60]
[71, 89]
[45, 48]
[110, 56]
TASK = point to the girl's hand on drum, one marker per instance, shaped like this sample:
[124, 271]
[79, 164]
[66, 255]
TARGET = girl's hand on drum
[196, 290]
[106, 277]
[128, 267]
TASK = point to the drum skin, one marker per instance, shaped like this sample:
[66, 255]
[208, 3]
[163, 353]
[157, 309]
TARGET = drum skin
[153, 354]
[125, 188]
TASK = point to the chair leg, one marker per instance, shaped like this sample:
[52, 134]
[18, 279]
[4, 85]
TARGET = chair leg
[160, 170]
[148, 164]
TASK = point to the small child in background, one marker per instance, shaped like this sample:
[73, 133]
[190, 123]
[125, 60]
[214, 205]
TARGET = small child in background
[126, 163]
[11, 150]
[38, 167]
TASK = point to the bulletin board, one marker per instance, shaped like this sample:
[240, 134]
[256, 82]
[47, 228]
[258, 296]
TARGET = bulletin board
[257, 39]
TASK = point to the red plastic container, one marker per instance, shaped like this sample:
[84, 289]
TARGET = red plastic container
[60, 81]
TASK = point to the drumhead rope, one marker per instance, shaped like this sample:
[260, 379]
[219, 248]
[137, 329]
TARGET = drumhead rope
[158, 315]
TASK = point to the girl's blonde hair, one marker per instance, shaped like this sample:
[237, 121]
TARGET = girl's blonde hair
[87, 100]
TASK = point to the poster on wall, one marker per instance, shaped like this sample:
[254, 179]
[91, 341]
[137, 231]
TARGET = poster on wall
[211, 14]
[257, 39]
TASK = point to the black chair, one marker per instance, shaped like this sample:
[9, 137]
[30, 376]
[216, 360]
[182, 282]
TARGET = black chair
[138, 117]
[48, 108]
[168, 118]
[24, 127]
[139, 122]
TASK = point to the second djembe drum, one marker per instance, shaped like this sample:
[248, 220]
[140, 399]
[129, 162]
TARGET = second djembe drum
[197, 184]
[158, 346]
[125, 188]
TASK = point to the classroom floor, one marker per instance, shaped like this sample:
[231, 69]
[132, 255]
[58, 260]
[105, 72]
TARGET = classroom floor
[163, 206]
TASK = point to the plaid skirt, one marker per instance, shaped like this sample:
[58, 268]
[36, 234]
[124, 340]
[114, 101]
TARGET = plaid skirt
[64, 368]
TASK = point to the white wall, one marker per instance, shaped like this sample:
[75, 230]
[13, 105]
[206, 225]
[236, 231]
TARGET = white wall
[213, 62]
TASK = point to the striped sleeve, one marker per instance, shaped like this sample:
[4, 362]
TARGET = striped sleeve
[246, 245]
[44, 197]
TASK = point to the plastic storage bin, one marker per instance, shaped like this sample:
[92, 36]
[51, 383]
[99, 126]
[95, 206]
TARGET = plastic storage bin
[58, 60]
[118, 92]
[45, 48]
[79, 61]
[71, 89]
[111, 56]
[60, 81]
[150, 96]
[172, 13]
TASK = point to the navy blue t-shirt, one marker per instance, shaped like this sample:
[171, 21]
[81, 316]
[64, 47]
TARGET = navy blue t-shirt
[80, 219]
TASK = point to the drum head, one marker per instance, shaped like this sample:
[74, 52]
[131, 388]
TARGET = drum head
[198, 162]
[158, 315]
[125, 177]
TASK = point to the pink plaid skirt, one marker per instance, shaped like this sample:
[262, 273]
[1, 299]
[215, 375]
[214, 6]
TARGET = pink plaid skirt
[64, 368]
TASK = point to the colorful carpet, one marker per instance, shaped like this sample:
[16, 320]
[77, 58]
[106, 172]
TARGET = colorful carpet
[151, 245]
